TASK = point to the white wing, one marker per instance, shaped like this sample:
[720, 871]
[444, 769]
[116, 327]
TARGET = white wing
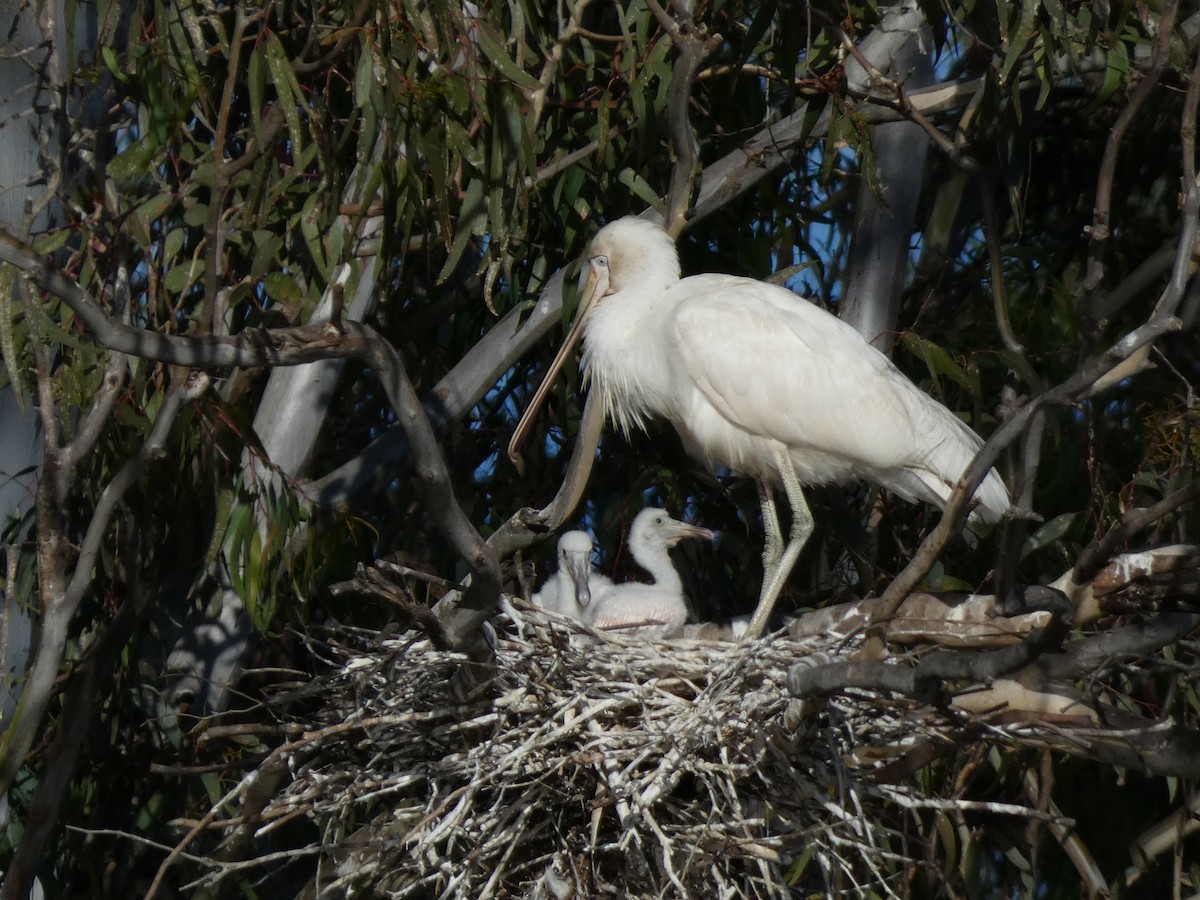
[779, 368]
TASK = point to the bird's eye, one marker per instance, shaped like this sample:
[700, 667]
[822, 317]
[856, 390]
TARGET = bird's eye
[601, 261]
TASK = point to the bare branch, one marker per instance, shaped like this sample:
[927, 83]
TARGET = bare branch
[1099, 230]
[1098, 553]
[694, 46]
[1187, 124]
[106, 397]
[527, 526]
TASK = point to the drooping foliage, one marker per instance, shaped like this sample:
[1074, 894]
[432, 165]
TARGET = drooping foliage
[222, 168]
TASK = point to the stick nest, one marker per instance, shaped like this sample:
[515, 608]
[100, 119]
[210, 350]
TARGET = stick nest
[596, 766]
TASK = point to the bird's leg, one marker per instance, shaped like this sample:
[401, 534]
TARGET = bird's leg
[776, 573]
[773, 546]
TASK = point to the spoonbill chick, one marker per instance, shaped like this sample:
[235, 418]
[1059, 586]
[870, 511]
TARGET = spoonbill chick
[648, 610]
[569, 590]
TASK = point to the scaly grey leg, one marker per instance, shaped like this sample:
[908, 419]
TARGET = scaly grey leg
[777, 565]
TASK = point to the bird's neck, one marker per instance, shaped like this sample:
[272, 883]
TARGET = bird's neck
[623, 357]
[657, 561]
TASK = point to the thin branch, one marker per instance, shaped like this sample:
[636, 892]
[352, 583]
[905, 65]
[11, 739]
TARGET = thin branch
[1116, 646]
[903, 103]
[87, 680]
[1097, 554]
[347, 36]
[250, 348]
[1175, 291]
[1187, 124]
[571, 31]
[694, 46]
[221, 180]
[1099, 229]
[548, 171]
[111, 383]
[528, 525]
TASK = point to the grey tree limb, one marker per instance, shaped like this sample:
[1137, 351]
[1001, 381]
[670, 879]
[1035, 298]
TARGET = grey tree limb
[694, 45]
[885, 212]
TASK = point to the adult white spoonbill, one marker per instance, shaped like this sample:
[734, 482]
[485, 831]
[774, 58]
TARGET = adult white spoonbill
[649, 610]
[759, 380]
[569, 590]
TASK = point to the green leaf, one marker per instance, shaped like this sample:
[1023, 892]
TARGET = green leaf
[256, 83]
[8, 348]
[1049, 533]
[288, 88]
[266, 245]
[225, 512]
[365, 78]
[641, 189]
[603, 115]
[113, 64]
[1020, 365]
[196, 215]
[796, 871]
[937, 359]
[1019, 39]
[493, 49]
[310, 227]
[1116, 72]
[241, 526]
[173, 244]
[947, 835]
[259, 607]
[55, 240]
[182, 276]
[144, 216]
[472, 219]
[1058, 17]
[133, 163]
[282, 288]
[937, 580]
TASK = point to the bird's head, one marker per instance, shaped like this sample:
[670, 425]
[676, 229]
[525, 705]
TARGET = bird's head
[654, 526]
[575, 558]
[625, 253]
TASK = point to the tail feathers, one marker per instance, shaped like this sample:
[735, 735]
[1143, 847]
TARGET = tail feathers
[944, 447]
[993, 500]
[934, 477]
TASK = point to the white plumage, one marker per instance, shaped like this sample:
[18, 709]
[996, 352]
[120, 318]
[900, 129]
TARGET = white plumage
[648, 610]
[570, 588]
[762, 381]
